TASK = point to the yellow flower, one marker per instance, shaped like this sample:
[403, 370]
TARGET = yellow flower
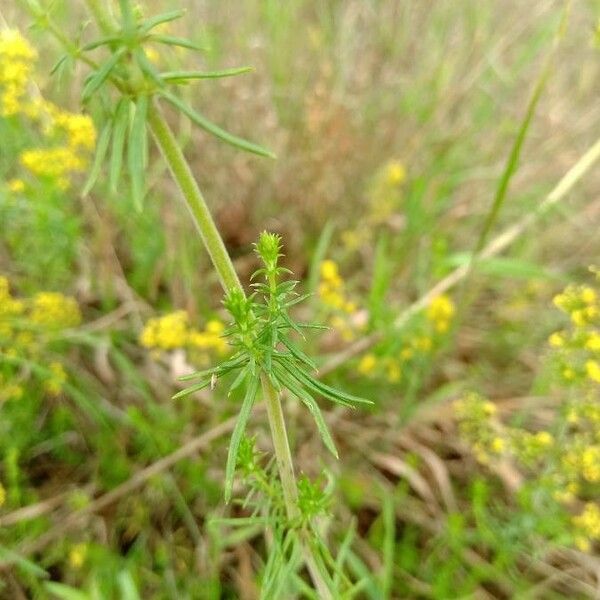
[167, 332]
[588, 523]
[77, 555]
[593, 342]
[54, 310]
[498, 445]
[58, 377]
[16, 186]
[16, 63]
[556, 340]
[2, 495]
[440, 312]
[592, 369]
[329, 270]
[395, 173]
[367, 364]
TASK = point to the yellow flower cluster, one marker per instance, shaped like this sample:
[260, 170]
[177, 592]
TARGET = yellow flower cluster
[69, 138]
[578, 348]
[440, 313]
[587, 525]
[384, 196]
[173, 331]
[58, 377]
[167, 332]
[54, 310]
[17, 58]
[334, 297]
[478, 426]
[393, 365]
[568, 464]
[23, 325]
[331, 288]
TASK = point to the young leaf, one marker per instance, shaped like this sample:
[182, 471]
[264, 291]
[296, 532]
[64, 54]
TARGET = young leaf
[101, 148]
[215, 130]
[135, 151]
[121, 123]
[237, 434]
[312, 406]
[191, 390]
[165, 17]
[171, 40]
[186, 76]
[99, 77]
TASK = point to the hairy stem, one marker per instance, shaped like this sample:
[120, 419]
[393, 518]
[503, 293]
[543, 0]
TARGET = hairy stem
[213, 242]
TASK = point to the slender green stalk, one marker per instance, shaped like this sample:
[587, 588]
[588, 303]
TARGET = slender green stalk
[282, 448]
[194, 199]
[213, 242]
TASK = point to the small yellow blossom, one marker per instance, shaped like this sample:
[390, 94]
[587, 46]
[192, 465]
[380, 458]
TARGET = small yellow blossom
[2, 495]
[556, 340]
[367, 364]
[592, 369]
[588, 524]
[440, 312]
[498, 445]
[58, 377]
[16, 186]
[77, 555]
[395, 173]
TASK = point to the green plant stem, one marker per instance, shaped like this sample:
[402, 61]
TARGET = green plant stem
[213, 242]
[194, 199]
[282, 448]
[101, 15]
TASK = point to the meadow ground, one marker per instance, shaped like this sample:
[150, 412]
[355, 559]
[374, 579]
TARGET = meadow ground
[410, 135]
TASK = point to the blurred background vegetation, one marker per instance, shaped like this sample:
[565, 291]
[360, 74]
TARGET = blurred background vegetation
[392, 121]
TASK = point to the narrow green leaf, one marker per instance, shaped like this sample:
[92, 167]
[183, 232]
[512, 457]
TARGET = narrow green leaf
[186, 76]
[301, 356]
[171, 40]
[191, 390]
[236, 436]
[8, 556]
[121, 123]
[101, 42]
[101, 148]
[312, 406]
[215, 130]
[161, 18]
[147, 67]
[324, 389]
[65, 592]
[127, 586]
[99, 77]
[389, 536]
[58, 64]
[135, 152]
[238, 380]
